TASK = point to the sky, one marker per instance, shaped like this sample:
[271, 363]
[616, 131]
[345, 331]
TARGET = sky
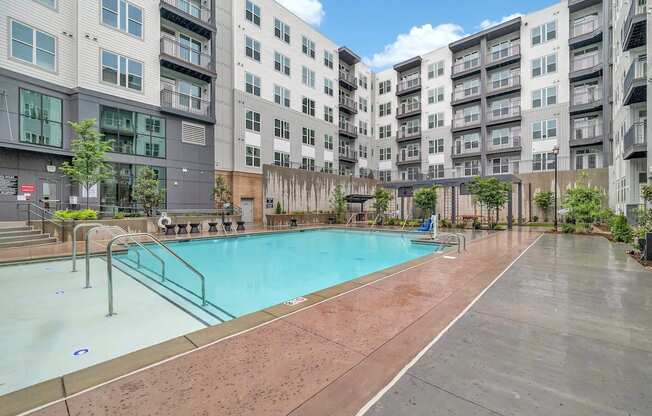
[384, 32]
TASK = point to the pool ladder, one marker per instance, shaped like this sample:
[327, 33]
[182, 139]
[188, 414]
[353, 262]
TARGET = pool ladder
[449, 237]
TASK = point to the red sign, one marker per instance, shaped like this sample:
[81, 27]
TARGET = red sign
[27, 188]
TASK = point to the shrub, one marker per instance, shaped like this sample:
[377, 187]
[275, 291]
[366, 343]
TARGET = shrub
[544, 200]
[119, 216]
[84, 214]
[535, 218]
[582, 228]
[279, 208]
[584, 204]
[606, 216]
[445, 223]
[476, 224]
[620, 229]
[568, 228]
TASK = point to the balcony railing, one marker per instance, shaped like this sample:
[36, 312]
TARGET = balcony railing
[504, 83]
[348, 78]
[468, 120]
[503, 113]
[464, 93]
[637, 72]
[405, 133]
[408, 108]
[408, 158]
[466, 65]
[512, 167]
[503, 143]
[636, 135]
[348, 103]
[172, 47]
[587, 131]
[408, 84]
[504, 53]
[349, 129]
[195, 10]
[633, 32]
[579, 63]
[586, 96]
[461, 148]
[173, 100]
[347, 153]
[586, 27]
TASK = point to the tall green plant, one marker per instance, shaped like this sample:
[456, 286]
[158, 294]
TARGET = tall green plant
[88, 166]
[338, 204]
[584, 204]
[426, 199]
[544, 200]
[146, 191]
[381, 200]
[491, 193]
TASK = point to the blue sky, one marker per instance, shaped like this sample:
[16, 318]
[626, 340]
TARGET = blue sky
[386, 31]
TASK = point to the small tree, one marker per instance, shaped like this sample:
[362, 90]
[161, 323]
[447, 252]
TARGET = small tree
[88, 166]
[381, 200]
[146, 191]
[426, 199]
[491, 193]
[544, 200]
[338, 204]
[221, 193]
[584, 204]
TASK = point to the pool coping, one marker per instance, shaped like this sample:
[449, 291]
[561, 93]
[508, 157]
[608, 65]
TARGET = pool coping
[48, 392]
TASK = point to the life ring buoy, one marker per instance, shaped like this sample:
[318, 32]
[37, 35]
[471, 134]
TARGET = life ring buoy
[164, 220]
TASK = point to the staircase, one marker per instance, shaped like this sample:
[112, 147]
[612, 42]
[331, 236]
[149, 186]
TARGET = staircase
[23, 236]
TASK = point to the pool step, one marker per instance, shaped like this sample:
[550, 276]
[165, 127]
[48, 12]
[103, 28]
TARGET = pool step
[12, 237]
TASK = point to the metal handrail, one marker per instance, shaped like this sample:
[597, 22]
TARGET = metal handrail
[375, 221]
[74, 241]
[463, 237]
[42, 217]
[109, 267]
[351, 218]
[111, 228]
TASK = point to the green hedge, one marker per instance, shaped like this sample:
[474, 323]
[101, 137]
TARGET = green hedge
[83, 214]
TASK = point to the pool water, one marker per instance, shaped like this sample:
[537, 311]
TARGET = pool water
[250, 273]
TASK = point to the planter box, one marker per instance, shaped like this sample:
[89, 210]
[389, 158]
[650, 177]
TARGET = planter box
[308, 218]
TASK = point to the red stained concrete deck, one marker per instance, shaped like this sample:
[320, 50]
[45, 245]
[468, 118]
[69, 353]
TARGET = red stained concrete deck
[329, 359]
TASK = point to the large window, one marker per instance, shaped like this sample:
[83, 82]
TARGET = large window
[543, 161]
[308, 47]
[282, 96]
[123, 16]
[308, 106]
[308, 136]
[33, 46]
[252, 12]
[252, 84]
[544, 129]
[252, 48]
[308, 77]
[122, 71]
[282, 159]
[281, 129]
[252, 121]
[281, 30]
[133, 133]
[49, 3]
[544, 65]
[252, 157]
[544, 97]
[544, 33]
[118, 190]
[40, 119]
[282, 63]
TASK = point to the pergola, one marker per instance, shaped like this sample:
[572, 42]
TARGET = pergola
[456, 185]
[358, 199]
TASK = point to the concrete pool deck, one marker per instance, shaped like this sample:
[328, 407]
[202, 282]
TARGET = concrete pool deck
[329, 358]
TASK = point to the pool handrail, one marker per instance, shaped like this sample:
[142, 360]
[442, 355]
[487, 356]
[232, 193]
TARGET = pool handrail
[463, 237]
[348, 222]
[375, 221]
[109, 265]
[456, 236]
[74, 240]
[121, 231]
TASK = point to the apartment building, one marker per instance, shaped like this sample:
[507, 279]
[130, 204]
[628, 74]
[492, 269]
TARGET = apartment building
[630, 169]
[144, 70]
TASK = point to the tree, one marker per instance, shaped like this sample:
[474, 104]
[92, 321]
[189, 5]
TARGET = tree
[338, 203]
[88, 166]
[544, 200]
[584, 204]
[221, 193]
[491, 193]
[381, 200]
[426, 199]
[146, 191]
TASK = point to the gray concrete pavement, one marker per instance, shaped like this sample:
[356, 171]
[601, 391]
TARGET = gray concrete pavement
[567, 330]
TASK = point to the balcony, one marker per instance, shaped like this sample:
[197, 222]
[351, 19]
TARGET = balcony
[635, 142]
[408, 110]
[503, 115]
[575, 5]
[585, 33]
[463, 149]
[462, 69]
[348, 155]
[408, 86]
[187, 106]
[348, 105]
[182, 58]
[408, 134]
[585, 66]
[503, 86]
[348, 81]
[586, 133]
[510, 168]
[349, 130]
[465, 95]
[466, 122]
[510, 143]
[586, 100]
[636, 83]
[190, 15]
[503, 56]
[634, 31]
[402, 160]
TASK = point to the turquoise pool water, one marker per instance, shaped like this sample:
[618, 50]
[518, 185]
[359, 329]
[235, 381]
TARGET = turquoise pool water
[250, 273]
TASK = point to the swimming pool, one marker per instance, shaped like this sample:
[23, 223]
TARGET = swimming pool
[249, 273]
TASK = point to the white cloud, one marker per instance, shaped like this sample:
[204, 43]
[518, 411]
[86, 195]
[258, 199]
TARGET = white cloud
[312, 11]
[420, 40]
[486, 24]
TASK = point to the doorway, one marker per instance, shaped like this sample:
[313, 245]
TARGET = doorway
[247, 210]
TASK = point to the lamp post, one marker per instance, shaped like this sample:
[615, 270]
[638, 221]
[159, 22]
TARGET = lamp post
[555, 151]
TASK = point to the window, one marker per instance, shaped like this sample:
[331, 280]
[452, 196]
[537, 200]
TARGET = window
[252, 84]
[252, 13]
[308, 163]
[282, 159]
[252, 121]
[436, 95]
[308, 106]
[328, 87]
[385, 175]
[308, 77]
[435, 120]
[436, 146]
[40, 119]
[281, 30]
[544, 97]
[544, 129]
[363, 128]
[281, 129]
[308, 136]
[436, 69]
[385, 153]
[49, 3]
[328, 59]
[384, 87]
[500, 165]
[328, 167]
[123, 16]
[436, 171]
[282, 96]
[544, 33]
[328, 142]
[33, 46]
[385, 109]
[363, 104]
[252, 48]
[362, 81]
[385, 132]
[544, 65]
[308, 47]
[252, 156]
[362, 151]
[469, 167]
[282, 63]
[122, 71]
[328, 114]
[543, 161]
[133, 133]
